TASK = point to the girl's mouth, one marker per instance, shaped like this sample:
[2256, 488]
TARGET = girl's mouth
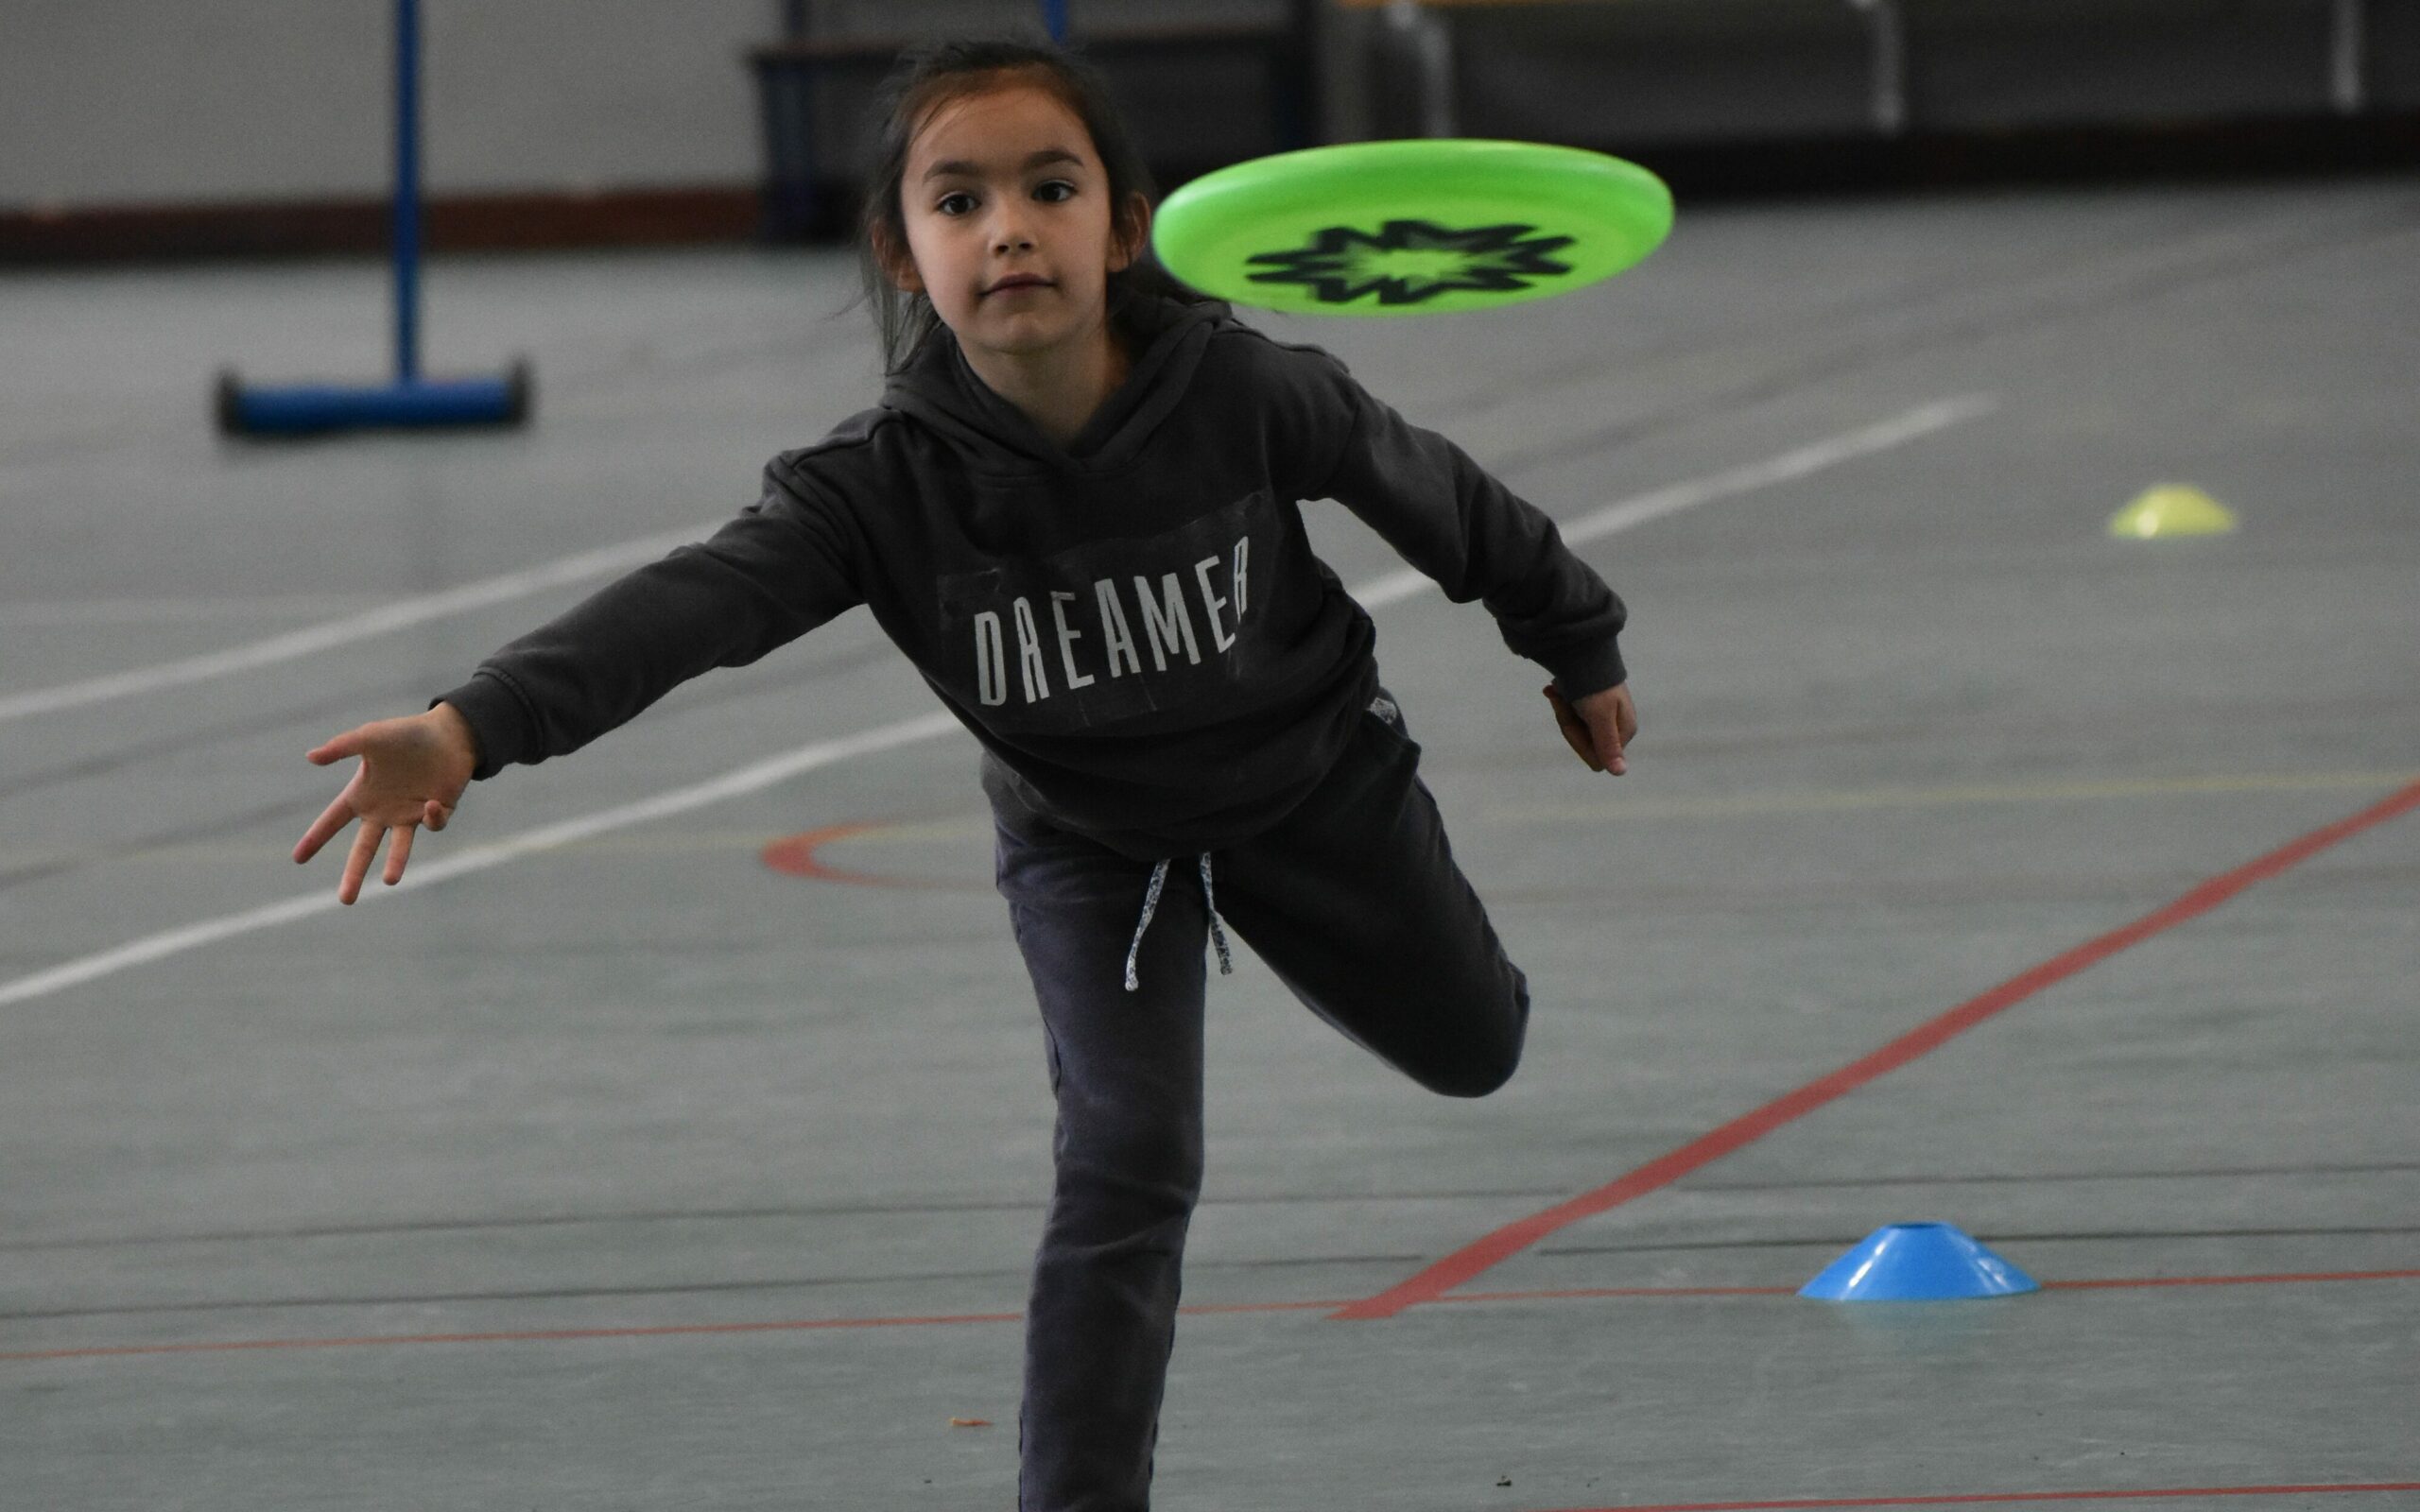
[1021, 280]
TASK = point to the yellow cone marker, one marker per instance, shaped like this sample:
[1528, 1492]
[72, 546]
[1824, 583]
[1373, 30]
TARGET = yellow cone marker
[2172, 509]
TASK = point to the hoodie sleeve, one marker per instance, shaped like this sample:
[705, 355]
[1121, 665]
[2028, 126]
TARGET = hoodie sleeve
[783, 566]
[1457, 525]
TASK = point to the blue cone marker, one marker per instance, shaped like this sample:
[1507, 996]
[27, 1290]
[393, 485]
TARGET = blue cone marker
[1917, 1263]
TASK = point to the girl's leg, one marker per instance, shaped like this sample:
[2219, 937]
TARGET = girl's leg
[1356, 903]
[1126, 1069]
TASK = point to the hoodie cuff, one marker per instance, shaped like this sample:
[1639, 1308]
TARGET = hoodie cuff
[1588, 669]
[497, 722]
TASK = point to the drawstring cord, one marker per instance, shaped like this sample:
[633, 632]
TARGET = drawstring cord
[1386, 709]
[1210, 904]
[1151, 905]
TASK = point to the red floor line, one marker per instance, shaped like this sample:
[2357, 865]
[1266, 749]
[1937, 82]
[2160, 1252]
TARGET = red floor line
[1475, 1258]
[1211, 1309]
[1581, 1294]
[1792, 1505]
[795, 856]
[2111, 1284]
[2288, 1277]
[802, 1325]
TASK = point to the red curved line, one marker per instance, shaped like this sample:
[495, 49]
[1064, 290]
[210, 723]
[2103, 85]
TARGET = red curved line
[1492, 1249]
[796, 858]
[797, 854]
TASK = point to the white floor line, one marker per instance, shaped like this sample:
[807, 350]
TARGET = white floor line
[750, 779]
[1799, 463]
[42, 614]
[764, 774]
[315, 638]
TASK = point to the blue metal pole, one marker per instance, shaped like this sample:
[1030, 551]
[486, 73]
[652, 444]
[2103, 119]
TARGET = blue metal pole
[1054, 17]
[407, 207]
[409, 399]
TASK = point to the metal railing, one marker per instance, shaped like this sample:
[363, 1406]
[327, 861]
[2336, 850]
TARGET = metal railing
[1424, 35]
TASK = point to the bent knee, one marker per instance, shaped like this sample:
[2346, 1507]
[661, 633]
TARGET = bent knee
[1486, 1063]
[1476, 1079]
[1477, 1069]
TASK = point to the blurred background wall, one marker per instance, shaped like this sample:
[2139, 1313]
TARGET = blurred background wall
[150, 101]
[264, 125]
[159, 101]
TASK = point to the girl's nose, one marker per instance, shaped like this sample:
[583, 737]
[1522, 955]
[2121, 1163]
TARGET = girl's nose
[1009, 232]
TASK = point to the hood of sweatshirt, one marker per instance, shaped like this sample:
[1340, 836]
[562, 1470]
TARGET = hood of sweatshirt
[1167, 339]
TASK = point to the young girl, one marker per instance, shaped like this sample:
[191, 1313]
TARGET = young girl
[1076, 511]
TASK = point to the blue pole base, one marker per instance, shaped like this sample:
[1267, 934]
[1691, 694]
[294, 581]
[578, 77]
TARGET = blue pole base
[310, 409]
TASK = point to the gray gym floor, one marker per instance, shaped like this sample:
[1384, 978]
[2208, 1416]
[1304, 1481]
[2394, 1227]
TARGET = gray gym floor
[627, 1169]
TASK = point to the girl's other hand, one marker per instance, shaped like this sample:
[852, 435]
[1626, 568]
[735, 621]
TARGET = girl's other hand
[1600, 727]
[412, 773]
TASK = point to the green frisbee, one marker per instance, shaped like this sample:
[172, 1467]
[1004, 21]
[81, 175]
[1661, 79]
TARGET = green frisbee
[1411, 227]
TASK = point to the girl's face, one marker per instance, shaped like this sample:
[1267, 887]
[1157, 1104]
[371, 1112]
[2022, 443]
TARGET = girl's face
[1010, 226]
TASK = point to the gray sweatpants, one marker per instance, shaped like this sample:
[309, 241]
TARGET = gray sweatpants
[1355, 902]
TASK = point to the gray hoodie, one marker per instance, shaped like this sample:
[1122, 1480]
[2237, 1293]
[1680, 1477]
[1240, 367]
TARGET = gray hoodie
[1134, 626]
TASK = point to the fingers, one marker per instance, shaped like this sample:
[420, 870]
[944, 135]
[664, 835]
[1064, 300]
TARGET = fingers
[336, 749]
[398, 853]
[356, 865]
[1600, 727]
[1614, 721]
[324, 829]
[1608, 744]
[374, 802]
[1575, 732]
[364, 853]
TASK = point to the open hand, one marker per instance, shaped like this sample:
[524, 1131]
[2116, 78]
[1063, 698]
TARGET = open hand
[1598, 727]
[412, 773]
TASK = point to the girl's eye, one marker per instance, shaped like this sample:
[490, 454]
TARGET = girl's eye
[1055, 191]
[947, 201]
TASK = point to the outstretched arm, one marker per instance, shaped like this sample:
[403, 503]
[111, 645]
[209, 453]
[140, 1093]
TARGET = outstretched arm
[777, 569]
[412, 773]
[1457, 524]
[780, 568]
[1454, 522]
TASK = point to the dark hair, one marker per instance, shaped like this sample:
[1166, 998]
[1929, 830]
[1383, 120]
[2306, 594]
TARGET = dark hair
[931, 75]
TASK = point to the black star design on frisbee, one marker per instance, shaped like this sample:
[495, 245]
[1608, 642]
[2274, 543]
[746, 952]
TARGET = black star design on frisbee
[1409, 261]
